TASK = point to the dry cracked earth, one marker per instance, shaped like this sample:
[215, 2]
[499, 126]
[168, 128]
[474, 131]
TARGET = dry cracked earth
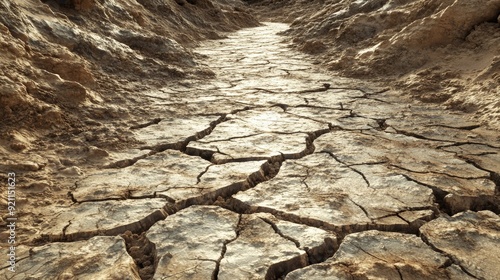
[277, 170]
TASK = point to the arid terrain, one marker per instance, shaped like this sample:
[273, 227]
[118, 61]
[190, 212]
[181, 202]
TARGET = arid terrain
[260, 139]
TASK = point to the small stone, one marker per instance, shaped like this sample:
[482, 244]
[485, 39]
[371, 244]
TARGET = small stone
[90, 136]
[13, 166]
[40, 186]
[72, 171]
[95, 152]
[18, 146]
[67, 162]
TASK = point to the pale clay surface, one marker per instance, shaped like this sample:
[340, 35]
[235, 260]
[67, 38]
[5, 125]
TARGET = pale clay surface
[272, 166]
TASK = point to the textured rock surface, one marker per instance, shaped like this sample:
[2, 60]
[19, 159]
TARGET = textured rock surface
[190, 243]
[202, 242]
[272, 167]
[174, 130]
[96, 258]
[257, 247]
[418, 160]
[382, 255]
[169, 174]
[320, 188]
[470, 239]
[106, 217]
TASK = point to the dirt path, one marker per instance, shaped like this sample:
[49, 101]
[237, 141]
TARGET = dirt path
[273, 166]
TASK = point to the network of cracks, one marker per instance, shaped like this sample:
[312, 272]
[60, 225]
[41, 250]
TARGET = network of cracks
[276, 170]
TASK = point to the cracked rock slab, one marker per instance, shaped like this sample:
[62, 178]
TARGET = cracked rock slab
[303, 236]
[334, 116]
[101, 257]
[418, 159]
[409, 153]
[220, 180]
[256, 248]
[145, 177]
[269, 120]
[434, 123]
[253, 147]
[470, 239]
[382, 255]
[190, 243]
[472, 150]
[173, 130]
[484, 157]
[125, 157]
[104, 217]
[267, 247]
[203, 242]
[260, 133]
[169, 174]
[320, 114]
[390, 192]
[262, 98]
[319, 188]
[317, 243]
[380, 108]
[228, 173]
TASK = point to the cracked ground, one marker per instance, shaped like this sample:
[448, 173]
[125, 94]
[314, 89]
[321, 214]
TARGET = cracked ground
[275, 169]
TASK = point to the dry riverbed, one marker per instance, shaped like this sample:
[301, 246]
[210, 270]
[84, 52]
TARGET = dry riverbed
[272, 169]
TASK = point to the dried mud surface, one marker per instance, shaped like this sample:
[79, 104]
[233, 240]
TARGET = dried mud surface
[274, 169]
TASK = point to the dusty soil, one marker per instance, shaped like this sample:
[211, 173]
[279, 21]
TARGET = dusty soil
[143, 150]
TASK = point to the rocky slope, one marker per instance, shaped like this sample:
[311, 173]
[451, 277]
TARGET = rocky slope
[438, 51]
[67, 67]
